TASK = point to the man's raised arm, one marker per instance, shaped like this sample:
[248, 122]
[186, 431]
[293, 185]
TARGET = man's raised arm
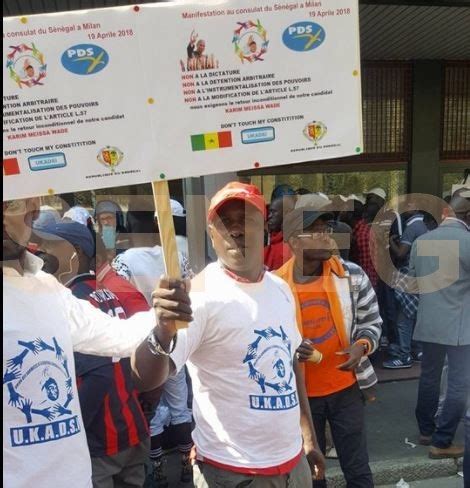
[151, 363]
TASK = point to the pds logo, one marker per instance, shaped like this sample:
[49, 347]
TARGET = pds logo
[303, 36]
[85, 59]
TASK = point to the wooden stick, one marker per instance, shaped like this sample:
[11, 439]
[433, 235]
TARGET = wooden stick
[161, 196]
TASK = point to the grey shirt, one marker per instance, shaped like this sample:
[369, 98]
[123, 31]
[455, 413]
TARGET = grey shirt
[444, 304]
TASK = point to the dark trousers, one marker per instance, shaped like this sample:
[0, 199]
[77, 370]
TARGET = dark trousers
[345, 413]
[429, 386]
[466, 459]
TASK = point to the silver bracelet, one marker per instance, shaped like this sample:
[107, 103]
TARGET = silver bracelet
[156, 348]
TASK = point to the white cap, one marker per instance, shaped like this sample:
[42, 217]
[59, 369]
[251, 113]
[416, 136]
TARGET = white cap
[312, 200]
[177, 210]
[462, 189]
[379, 192]
[78, 214]
[353, 196]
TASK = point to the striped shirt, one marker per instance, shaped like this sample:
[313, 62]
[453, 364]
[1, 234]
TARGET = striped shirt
[365, 321]
[112, 416]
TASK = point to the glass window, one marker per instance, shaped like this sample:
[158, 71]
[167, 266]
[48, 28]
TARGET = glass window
[386, 110]
[455, 122]
[345, 183]
[455, 177]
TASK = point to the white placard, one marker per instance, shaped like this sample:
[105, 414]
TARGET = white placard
[127, 95]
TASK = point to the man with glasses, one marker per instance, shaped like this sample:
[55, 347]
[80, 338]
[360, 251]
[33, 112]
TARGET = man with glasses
[338, 316]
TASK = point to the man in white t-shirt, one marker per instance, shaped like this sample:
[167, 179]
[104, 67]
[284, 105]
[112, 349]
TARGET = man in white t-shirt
[143, 263]
[253, 424]
[44, 442]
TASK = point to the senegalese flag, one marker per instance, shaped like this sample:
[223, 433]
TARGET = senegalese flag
[211, 140]
[11, 167]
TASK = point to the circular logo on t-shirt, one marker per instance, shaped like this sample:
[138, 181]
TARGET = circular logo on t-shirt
[39, 385]
[270, 367]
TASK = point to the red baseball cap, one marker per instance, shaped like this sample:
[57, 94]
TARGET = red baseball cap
[237, 191]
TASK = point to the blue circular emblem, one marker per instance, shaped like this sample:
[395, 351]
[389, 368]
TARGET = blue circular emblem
[303, 36]
[40, 367]
[269, 361]
[85, 59]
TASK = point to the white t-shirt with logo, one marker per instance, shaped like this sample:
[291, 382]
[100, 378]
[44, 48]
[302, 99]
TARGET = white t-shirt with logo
[143, 267]
[44, 442]
[239, 351]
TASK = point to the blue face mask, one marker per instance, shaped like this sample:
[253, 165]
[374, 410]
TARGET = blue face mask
[108, 234]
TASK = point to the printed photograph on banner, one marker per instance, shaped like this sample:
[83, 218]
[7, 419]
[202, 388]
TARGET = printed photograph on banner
[250, 41]
[26, 65]
[197, 57]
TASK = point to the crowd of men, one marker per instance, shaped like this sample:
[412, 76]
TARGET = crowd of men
[278, 359]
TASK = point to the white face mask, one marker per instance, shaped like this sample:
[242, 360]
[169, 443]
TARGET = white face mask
[109, 237]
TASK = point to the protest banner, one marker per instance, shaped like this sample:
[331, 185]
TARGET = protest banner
[71, 115]
[253, 84]
[128, 95]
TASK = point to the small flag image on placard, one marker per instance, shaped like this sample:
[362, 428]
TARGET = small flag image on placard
[211, 140]
[11, 167]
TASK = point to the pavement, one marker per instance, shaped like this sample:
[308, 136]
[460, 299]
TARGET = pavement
[389, 421]
[448, 482]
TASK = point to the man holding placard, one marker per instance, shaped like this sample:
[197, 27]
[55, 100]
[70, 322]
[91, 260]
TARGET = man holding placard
[253, 423]
[44, 439]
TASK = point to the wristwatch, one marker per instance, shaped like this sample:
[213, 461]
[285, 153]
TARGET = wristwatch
[156, 348]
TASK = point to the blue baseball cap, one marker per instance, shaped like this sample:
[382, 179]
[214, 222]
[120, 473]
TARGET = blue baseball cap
[281, 191]
[76, 234]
